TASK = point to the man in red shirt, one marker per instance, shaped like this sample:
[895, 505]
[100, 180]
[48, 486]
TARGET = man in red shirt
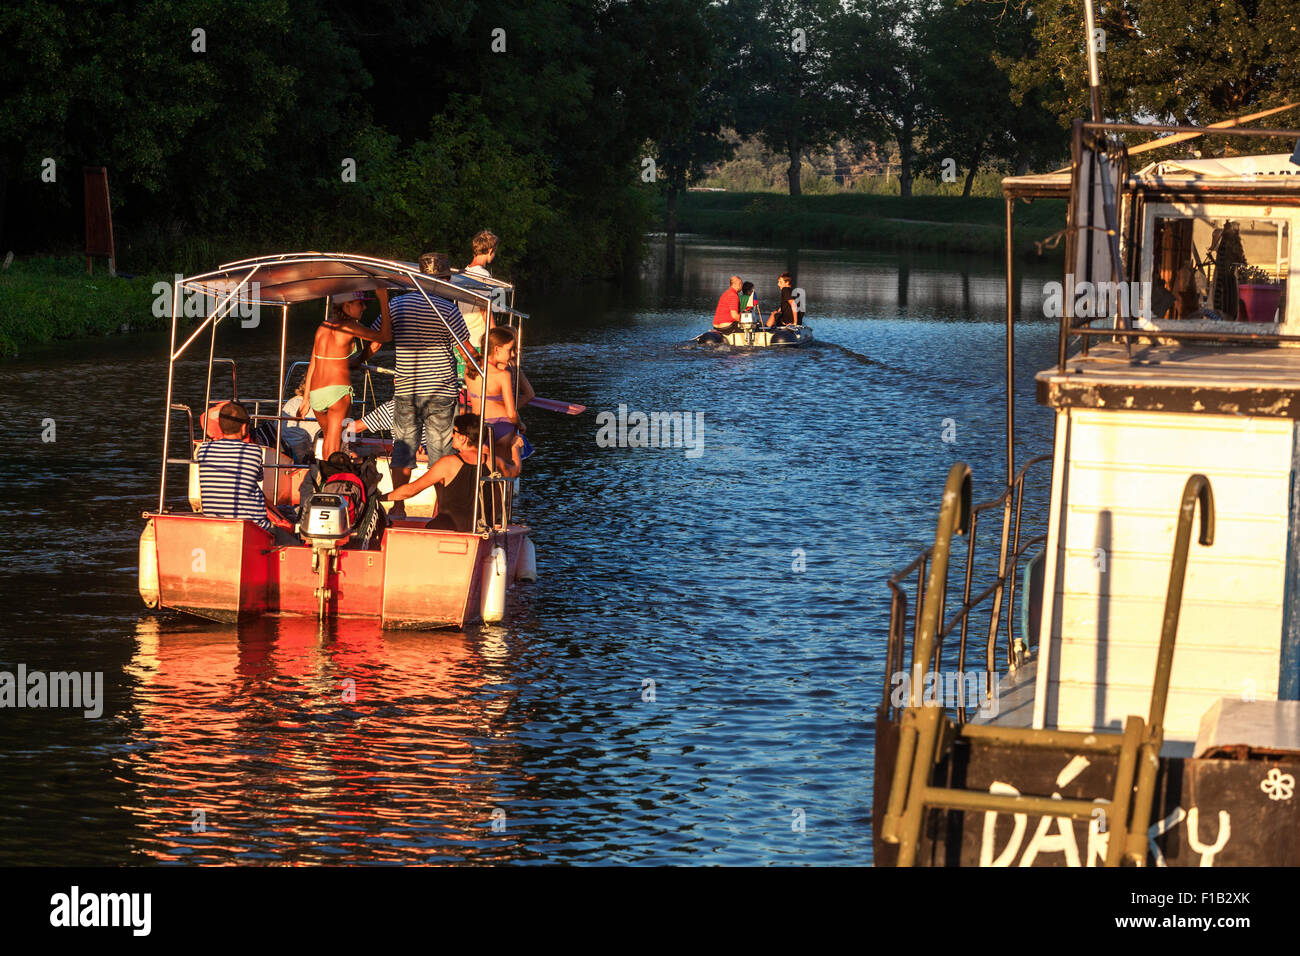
[727, 315]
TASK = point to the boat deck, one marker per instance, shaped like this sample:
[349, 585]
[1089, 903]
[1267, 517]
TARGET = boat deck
[1216, 379]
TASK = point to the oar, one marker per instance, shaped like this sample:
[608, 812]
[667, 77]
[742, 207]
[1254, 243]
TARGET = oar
[551, 405]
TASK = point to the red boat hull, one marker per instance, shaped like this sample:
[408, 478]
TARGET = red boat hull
[226, 570]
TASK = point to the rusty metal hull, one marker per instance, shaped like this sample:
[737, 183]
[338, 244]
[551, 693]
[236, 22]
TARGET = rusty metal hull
[232, 571]
[1207, 812]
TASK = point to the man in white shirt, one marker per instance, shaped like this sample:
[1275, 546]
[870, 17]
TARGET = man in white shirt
[485, 250]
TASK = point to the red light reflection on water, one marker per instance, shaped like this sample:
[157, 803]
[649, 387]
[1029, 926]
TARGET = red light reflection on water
[279, 742]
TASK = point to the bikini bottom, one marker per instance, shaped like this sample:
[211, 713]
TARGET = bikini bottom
[323, 398]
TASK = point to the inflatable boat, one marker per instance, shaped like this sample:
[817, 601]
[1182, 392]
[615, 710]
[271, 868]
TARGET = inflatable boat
[757, 336]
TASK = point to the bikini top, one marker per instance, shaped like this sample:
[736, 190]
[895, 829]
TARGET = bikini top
[355, 351]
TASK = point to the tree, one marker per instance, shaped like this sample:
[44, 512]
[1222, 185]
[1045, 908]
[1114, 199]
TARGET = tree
[181, 120]
[785, 57]
[688, 92]
[436, 192]
[971, 115]
[881, 69]
[1194, 62]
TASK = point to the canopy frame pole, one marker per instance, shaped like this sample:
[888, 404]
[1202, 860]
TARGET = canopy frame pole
[167, 408]
[207, 394]
[216, 312]
[279, 402]
[1094, 81]
[519, 360]
[446, 325]
[482, 420]
[478, 454]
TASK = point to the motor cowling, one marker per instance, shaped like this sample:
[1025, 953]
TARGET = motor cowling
[328, 520]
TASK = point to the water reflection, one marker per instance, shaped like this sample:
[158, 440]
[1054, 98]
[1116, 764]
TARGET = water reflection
[355, 744]
[654, 567]
[836, 284]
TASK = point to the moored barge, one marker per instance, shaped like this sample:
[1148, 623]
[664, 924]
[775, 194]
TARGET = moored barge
[1125, 687]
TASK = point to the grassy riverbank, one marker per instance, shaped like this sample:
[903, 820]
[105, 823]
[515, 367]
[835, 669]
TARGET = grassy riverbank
[855, 220]
[43, 300]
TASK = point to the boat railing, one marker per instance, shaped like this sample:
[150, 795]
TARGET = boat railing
[932, 586]
[189, 415]
[927, 736]
[501, 490]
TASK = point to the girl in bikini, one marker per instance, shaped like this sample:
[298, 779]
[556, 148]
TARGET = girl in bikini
[328, 385]
[500, 413]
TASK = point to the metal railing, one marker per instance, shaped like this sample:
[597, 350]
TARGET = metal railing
[1092, 136]
[926, 735]
[1011, 550]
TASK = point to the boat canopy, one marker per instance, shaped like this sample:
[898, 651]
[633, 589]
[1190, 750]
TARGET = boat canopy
[302, 276]
[1229, 167]
[1259, 176]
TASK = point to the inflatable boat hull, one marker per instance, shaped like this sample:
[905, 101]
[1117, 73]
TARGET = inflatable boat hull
[785, 336]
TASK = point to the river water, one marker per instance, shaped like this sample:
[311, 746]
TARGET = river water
[692, 680]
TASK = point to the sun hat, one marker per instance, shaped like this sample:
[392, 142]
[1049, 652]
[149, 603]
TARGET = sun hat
[437, 264]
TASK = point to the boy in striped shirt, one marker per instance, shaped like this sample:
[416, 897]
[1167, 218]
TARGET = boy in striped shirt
[230, 473]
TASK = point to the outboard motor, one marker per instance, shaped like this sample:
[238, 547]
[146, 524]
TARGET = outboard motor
[749, 325]
[328, 520]
[344, 511]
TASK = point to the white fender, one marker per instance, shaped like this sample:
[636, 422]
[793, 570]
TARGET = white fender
[526, 566]
[149, 591]
[493, 586]
[195, 494]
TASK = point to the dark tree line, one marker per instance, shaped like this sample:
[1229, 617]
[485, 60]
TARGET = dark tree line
[232, 124]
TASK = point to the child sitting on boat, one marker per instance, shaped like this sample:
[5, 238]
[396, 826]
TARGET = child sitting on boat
[501, 411]
[748, 305]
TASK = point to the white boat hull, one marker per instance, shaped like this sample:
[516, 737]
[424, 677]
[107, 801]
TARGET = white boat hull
[786, 336]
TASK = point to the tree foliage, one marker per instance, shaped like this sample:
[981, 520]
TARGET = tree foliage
[784, 56]
[535, 119]
[1195, 61]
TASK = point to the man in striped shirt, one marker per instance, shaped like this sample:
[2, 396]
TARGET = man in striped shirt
[230, 471]
[425, 387]
[378, 419]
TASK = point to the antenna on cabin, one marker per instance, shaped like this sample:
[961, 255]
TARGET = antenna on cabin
[1094, 81]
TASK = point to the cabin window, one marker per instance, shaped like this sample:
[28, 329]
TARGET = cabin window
[1225, 268]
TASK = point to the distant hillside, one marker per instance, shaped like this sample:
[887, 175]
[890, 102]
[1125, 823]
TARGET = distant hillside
[848, 166]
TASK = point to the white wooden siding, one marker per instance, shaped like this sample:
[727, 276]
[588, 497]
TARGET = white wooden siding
[1116, 510]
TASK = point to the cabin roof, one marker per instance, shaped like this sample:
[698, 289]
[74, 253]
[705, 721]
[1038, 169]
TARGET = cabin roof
[1218, 380]
[1263, 178]
[302, 276]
